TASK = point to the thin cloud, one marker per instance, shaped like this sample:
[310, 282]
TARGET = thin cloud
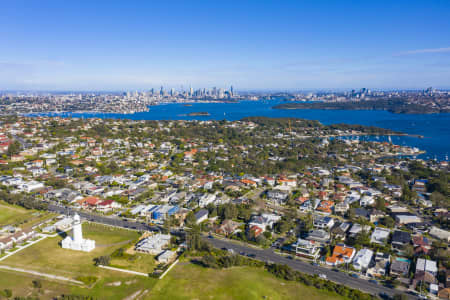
[422, 51]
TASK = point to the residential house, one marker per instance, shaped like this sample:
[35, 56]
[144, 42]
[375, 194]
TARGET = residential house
[362, 259]
[382, 261]
[325, 207]
[400, 239]
[264, 221]
[228, 227]
[108, 205]
[400, 267]
[440, 233]
[323, 222]
[277, 196]
[306, 248]
[341, 254]
[318, 235]
[422, 245]
[341, 207]
[201, 216]
[380, 235]
[340, 230]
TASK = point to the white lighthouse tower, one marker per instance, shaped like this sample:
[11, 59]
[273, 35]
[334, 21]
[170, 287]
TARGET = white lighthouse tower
[77, 242]
[77, 232]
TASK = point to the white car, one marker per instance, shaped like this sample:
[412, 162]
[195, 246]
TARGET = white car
[323, 276]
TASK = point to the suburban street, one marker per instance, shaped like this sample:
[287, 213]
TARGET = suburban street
[268, 255]
[112, 221]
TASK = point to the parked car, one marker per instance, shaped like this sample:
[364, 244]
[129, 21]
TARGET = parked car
[323, 276]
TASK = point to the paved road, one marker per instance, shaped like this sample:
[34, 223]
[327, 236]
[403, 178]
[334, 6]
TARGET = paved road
[112, 221]
[338, 277]
[263, 255]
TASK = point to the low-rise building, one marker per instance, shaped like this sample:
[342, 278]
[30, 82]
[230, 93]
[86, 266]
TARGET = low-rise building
[380, 235]
[306, 248]
[201, 216]
[400, 267]
[341, 254]
[382, 261]
[362, 259]
[153, 244]
[318, 235]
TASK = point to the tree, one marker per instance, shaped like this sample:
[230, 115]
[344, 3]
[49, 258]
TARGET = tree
[388, 222]
[37, 284]
[7, 293]
[439, 200]
[102, 260]
[409, 251]
[380, 204]
[13, 148]
[190, 219]
[209, 261]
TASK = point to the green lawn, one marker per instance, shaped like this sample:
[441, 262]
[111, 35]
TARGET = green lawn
[21, 285]
[139, 262]
[19, 216]
[48, 257]
[187, 281]
[184, 281]
[10, 214]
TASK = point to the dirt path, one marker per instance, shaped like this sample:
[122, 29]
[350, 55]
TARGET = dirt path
[49, 276]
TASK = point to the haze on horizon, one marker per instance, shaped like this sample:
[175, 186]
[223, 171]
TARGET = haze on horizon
[108, 45]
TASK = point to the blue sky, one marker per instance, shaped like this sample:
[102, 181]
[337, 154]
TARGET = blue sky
[127, 45]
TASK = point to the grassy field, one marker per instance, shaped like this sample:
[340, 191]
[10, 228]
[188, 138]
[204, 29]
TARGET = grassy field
[187, 281]
[111, 286]
[139, 262]
[19, 216]
[48, 257]
[184, 281]
[10, 214]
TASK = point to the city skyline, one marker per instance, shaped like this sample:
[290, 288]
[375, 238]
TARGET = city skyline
[271, 46]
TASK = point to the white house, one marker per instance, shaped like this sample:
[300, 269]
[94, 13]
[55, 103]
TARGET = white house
[379, 235]
[306, 248]
[362, 259]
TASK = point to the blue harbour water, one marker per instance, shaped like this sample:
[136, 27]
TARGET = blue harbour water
[434, 127]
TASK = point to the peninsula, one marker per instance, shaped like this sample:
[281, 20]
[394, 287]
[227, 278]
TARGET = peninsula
[397, 106]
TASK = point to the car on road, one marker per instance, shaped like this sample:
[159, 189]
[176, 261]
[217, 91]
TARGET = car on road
[354, 275]
[373, 281]
[323, 276]
[290, 257]
[315, 264]
[251, 255]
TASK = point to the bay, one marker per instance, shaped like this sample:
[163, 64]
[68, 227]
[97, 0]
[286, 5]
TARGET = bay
[435, 128]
